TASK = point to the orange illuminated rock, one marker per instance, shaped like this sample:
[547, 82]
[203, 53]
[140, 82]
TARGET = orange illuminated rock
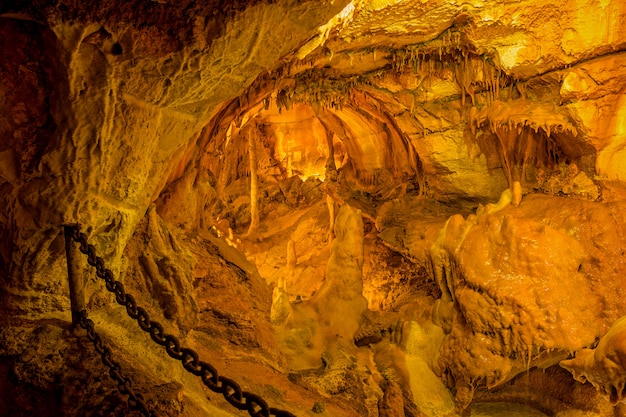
[343, 132]
[527, 284]
[605, 366]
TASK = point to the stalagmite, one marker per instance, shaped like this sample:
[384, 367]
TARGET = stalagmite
[517, 193]
[281, 307]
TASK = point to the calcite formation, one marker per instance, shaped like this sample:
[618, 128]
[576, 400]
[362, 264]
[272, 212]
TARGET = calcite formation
[352, 208]
[502, 323]
[603, 366]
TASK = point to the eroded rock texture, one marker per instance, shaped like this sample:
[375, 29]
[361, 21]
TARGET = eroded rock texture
[352, 208]
[501, 322]
[604, 365]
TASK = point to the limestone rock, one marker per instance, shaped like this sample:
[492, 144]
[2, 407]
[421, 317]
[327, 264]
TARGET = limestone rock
[165, 271]
[508, 313]
[603, 366]
[192, 141]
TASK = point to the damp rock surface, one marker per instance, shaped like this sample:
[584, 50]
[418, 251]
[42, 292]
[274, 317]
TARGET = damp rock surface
[329, 201]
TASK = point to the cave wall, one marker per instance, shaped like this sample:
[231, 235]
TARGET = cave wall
[93, 169]
[134, 120]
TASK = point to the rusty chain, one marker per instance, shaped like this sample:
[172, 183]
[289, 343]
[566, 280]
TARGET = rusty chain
[135, 401]
[232, 392]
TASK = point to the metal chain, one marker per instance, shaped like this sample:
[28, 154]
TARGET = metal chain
[135, 401]
[232, 392]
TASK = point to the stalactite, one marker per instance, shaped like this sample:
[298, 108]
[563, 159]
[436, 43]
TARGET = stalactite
[497, 82]
[504, 154]
[530, 152]
[292, 258]
[521, 89]
[254, 191]
[330, 204]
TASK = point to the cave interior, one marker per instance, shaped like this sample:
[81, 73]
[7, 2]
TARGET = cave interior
[351, 208]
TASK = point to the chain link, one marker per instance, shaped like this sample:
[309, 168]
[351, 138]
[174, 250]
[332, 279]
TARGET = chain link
[232, 392]
[135, 401]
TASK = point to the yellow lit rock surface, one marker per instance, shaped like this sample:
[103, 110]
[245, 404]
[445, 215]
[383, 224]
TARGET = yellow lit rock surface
[603, 366]
[351, 208]
[526, 283]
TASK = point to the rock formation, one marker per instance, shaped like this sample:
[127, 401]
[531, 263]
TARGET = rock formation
[603, 366]
[351, 208]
